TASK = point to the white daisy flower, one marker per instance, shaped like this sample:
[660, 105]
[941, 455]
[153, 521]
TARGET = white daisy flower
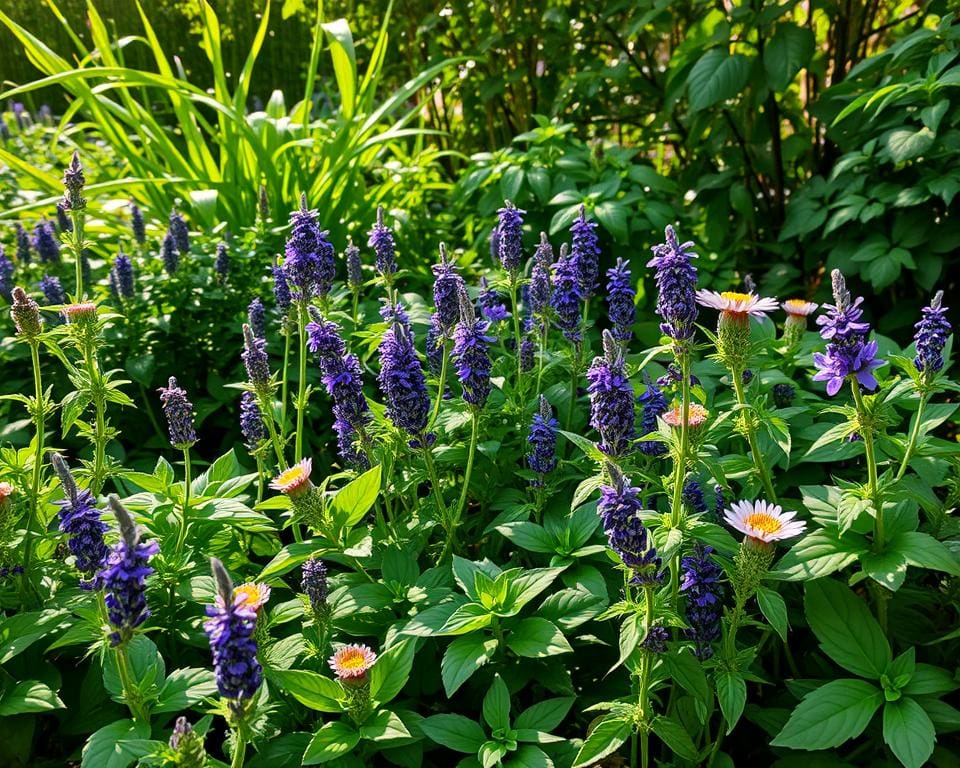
[737, 303]
[762, 520]
[294, 481]
[798, 307]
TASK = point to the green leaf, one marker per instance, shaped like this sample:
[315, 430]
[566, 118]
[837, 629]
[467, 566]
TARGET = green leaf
[716, 77]
[455, 732]
[732, 695]
[544, 715]
[28, 696]
[392, 670]
[496, 705]
[344, 63]
[905, 144]
[110, 747]
[589, 448]
[908, 731]
[613, 216]
[687, 670]
[786, 53]
[676, 737]
[830, 715]
[923, 551]
[928, 680]
[536, 638]
[819, 554]
[357, 497]
[183, 688]
[334, 739]
[603, 740]
[529, 756]
[847, 631]
[774, 610]
[527, 586]
[462, 658]
[466, 618]
[384, 726]
[310, 689]
[528, 536]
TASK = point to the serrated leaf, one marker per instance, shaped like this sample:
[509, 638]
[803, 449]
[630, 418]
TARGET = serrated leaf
[717, 76]
[830, 715]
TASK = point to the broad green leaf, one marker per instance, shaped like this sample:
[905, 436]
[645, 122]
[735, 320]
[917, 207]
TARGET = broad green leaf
[774, 610]
[544, 715]
[384, 726]
[496, 705]
[786, 53]
[536, 638]
[462, 658]
[830, 715]
[716, 77]
[847, 631]
[455, 732]
[908, 731]
[183, 688]
[529, 536]
[310, 689]
[111, 746]
[819, 554]
[732, 695]
[466, 618]
[604, 739]
[392, 670]
[905, 143]
[28, 696]
[688, 671]
[357, 497]
[676, 737]
[334, 739]
[344, 63]
[924, 551]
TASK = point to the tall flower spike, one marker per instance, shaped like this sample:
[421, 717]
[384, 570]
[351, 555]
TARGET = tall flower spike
[538, 295]
[281, 290]
[257, 318]
[620, 295]
[123, 577]
[471, 354]
[26, 315]
[170, 253]
[611, 399]
[187, 745]
[701, 586]
[491, 303]
[6, 275]
[542, 440]
[676, 280]
[381, 240]
[251, 422]
[64, 224]
[180, 232]
[23, 244]
[585, 252]
[446, 292]
[45, 242]
[654, 405]
[221, 264]
[255, 360]
[401, 376]
[848, 353]
[931, 336]
[309, 258]
[263, 203]
[619, 509]
[137, 225]
[73, 181]
[510, 237]
[351, 256]
[230, 628]
[122, 274]
[80, 520]
[313, 583]
[178, 411]
[567, 296]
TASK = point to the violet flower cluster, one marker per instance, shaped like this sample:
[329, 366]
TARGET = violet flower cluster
[309, 259]
[137, 225]
[180, 232]
[848, 352]
[510, 238]
[23, 244]
[221, 264]
[230, 629]
[620, 307]
[567, 296]
[703, 591]
[121, 277]
[491, 303]
[45, 242]
[653, 405]
[447, 284]
[384, 249]
[401, 378]
[313, 583]
[619, 509]
[471, 354]
[257, 318]
[178, 411]
[611, 399]
[542, 440]
[170, 253]
[931, 336]
[676, 280]
[123, 577]
[80, 520]
[251, 421]
[585, 252]
[6, 276]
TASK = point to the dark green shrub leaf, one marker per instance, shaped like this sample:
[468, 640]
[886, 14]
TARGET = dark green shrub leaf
[830, 715]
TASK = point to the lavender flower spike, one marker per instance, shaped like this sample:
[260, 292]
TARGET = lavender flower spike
[251, 422]
[585, 252]
[6, 275]
[257, 317]
[510, 238]
[620, 296]
[170, 253]
[702, 588]
[676, 280]
[931, 336]
[567, 296]
[619, 509]
[137, 224]
[180, 232]
[122, 275]
[654, 405]
[221, 264]
[446, 292]
[381, 240]
[45, 242]
[354, 269]
[309, 258]
[401, 377]
[542, 440]
[179, 413]
[23, 244]
[471, 354]
[256, 362]
[611, 399]
[123, 577]
[80, 520]
[73, 181]
[230, 630]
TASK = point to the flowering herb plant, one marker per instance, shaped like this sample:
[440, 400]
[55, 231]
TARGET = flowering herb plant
[482, 527]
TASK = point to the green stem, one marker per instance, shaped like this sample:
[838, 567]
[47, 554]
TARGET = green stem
[543, 354]
[76, 237]
[752, 437]
[134, 704]
[239, 751]
[645, 667]
[680, 470]
[284, 383]
[867, 434]
[455, 521]
[302, 383]
[356, 302]
[574, 378]
[182, 537]
[39, 419]
[434, 481]
[914, 435]
[266, 410]
[517, 335]
[441, 387]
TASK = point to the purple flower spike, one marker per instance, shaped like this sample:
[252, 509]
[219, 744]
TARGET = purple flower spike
[654, 405]
[619, 509]
[471, 354]
[611, 399]
[446, 292]
[23, 244]
[180, 232]
[702, 588]
[179, 413]
[221, 264]
[137, 224]
[123, 577]
[45, 242]
[620, 295]
[542, 440]
[585, 252]
[491, 303]
[510, 237]
[309, 258]
[170, 253]
[251, 422]
[676, 279]
[381, 240]
[931, 336]
[401, 376]
[567, 297]
[80, 520]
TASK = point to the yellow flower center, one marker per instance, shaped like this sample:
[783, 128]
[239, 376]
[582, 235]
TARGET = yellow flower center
[352, 660]
[734, 296]
[761, 521]
[249, 593]
[290, 475]
[798, 303]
